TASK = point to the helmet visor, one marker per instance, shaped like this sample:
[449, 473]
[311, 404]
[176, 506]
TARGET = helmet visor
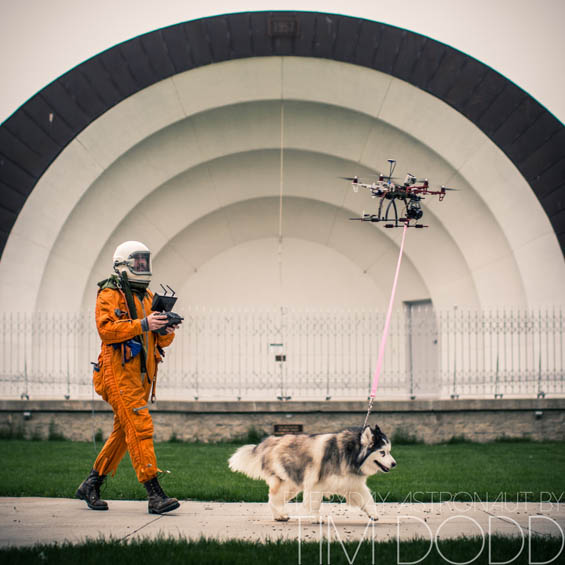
[140, 263]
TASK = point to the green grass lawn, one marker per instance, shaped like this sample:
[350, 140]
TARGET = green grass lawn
[235, 552]
[200, 471]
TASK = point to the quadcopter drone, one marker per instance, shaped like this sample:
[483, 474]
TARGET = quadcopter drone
[411, 192]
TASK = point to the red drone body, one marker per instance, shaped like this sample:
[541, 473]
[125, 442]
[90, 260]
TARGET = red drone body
[409, 193]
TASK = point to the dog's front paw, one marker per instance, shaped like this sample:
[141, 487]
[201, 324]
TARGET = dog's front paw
[371, 511]
[281, 518]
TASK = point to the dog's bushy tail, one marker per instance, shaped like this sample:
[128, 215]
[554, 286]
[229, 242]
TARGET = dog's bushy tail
[246, 461]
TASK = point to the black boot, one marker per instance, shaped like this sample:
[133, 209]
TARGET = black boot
[159, 502]
[89, 491]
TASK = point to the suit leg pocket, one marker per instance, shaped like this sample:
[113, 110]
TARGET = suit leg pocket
[142, 422]
[98, 379]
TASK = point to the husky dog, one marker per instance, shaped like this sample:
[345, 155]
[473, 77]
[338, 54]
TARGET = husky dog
[317, 465]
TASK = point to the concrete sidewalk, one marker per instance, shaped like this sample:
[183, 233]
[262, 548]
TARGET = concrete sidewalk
[27, 521]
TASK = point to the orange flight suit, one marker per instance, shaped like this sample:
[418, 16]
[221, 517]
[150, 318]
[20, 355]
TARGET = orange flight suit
[119, 381]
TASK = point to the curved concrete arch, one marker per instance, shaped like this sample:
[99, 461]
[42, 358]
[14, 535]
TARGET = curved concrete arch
[85, 219]
[34, 136]
[373, 249]
[183, 143]
[303, 179]
[207, 241]
[466, 152]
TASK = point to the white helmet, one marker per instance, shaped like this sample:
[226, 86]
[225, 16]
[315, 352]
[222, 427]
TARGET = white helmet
[135, 259]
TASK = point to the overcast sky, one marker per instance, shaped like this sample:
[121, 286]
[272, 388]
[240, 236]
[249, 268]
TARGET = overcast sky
[522, 39]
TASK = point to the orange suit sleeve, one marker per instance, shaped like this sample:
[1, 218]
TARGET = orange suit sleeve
[165, 340]
[111, 328]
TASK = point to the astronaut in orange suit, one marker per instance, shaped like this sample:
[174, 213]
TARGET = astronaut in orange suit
[126, 374]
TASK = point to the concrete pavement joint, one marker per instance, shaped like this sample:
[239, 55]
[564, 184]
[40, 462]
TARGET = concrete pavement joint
[141, 528]
[509, 521]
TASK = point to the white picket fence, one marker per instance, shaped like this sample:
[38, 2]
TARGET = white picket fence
[284, 353]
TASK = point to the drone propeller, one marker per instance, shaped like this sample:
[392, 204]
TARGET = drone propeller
[447, 188]
[381, 176]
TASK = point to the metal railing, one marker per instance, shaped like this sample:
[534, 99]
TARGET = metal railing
[284, 353]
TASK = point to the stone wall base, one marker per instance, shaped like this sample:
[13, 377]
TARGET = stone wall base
[431, 421]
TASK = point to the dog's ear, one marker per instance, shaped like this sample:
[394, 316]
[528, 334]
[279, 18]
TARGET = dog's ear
[366, 436]
[377, 431]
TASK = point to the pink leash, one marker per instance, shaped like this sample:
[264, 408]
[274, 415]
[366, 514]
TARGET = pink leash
[386, 328]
